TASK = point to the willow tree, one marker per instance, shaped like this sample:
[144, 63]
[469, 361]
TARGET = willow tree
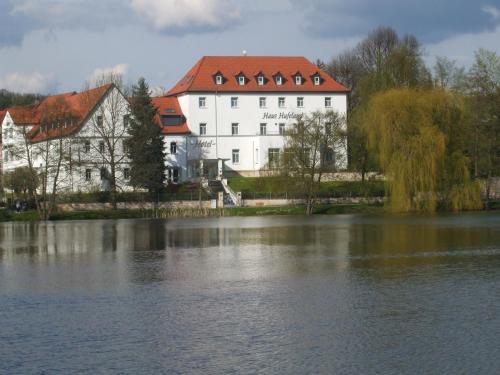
[419, 136]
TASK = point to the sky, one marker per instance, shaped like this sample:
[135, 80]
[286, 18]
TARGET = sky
[50, 46]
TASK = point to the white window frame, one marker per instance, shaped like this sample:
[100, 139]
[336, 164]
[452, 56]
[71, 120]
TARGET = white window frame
[262, 102]
[218, 79]
[263, 128]
[235, 128]
[282, 128]
[203, 125]
[298, 80]
[173, 148]
[235, 156]
[279, 80]
[88, 174]
[317, 80]
[328, 102]
[234, 102]
[202, 102]
[241, 80]
[260, 80]
[300, 102]
[281, 102]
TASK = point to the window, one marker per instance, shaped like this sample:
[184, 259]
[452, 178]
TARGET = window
[241, 80]
[203, 129]
[125, 147]
[173, 148]
[234, 129]
[101, 147]
[282, 129]
[103, 173]
[202, 102]
[86, 146]
[262, 102]
[281, 102]
[126, 121]
[88, 174]
[100, 121]
[218, 79]
[329, 156]
[256, 156]
[171, 120]
[328, 102]
[126, 173]
[260, 80]
[234, 102]
[298, 80]
[263, 129]
[6, 156]
[300, 102]
[317, 80]
[236, 156]
[273, 157]
[279, 80]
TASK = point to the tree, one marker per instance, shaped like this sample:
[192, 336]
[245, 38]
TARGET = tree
[145, 146]
[483, 93]
[447, 75]
[313, 146]
[109, 125]
[20, 181]
[45, 149]
[418, 137]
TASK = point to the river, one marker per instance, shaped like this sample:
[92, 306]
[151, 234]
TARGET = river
[345, 294]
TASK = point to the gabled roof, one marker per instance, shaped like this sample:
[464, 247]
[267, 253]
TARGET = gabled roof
[169, 106]
[78, 105]
[23, 115]
[199, 77]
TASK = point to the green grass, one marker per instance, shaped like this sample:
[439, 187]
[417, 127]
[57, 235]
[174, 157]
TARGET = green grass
[281, 187]
[327, 209]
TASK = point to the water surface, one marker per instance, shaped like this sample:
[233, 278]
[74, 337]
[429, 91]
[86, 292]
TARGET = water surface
[346, 294]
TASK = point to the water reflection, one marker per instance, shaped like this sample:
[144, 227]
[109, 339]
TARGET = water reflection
[344, 294]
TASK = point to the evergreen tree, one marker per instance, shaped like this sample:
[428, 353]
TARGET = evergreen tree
[145, 145]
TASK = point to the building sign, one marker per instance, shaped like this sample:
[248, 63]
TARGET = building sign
[202, 144]
[281, 116]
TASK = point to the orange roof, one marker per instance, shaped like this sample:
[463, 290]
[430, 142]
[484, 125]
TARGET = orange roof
[169, 106]
[2, 116]
[78, 105]
[201, 76]
[23, 115]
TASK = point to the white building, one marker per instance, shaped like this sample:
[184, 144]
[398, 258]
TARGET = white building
[92, 123]
[227, 115]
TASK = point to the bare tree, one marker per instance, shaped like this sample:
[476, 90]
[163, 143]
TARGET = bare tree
[45, 150]
[108, 128]
[314, 145]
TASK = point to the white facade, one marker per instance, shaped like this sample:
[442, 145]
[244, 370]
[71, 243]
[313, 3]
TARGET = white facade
[242, 129]
[88, 150]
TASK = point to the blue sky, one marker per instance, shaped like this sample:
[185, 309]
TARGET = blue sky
[56, 45]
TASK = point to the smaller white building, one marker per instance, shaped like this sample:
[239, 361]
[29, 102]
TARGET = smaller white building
[91, 126]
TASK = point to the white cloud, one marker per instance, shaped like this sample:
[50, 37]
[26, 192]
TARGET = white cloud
[28, 83]
[187, 15]
[119, 69]
[492, 11]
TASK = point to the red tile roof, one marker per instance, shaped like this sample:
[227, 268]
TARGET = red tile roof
[169, 106]
[78, 106]
[201, 76]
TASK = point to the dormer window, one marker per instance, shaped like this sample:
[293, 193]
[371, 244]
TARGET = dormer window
[317, 80]
[298, 80]
[279, 80]
[219, 80]
[260, 80]
[241, 80]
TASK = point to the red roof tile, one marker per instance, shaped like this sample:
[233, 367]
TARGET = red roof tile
[169, 106]
[78, 105]
[200, 77]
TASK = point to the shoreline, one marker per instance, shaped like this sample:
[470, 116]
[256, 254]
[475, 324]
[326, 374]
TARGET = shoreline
[291, 210]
